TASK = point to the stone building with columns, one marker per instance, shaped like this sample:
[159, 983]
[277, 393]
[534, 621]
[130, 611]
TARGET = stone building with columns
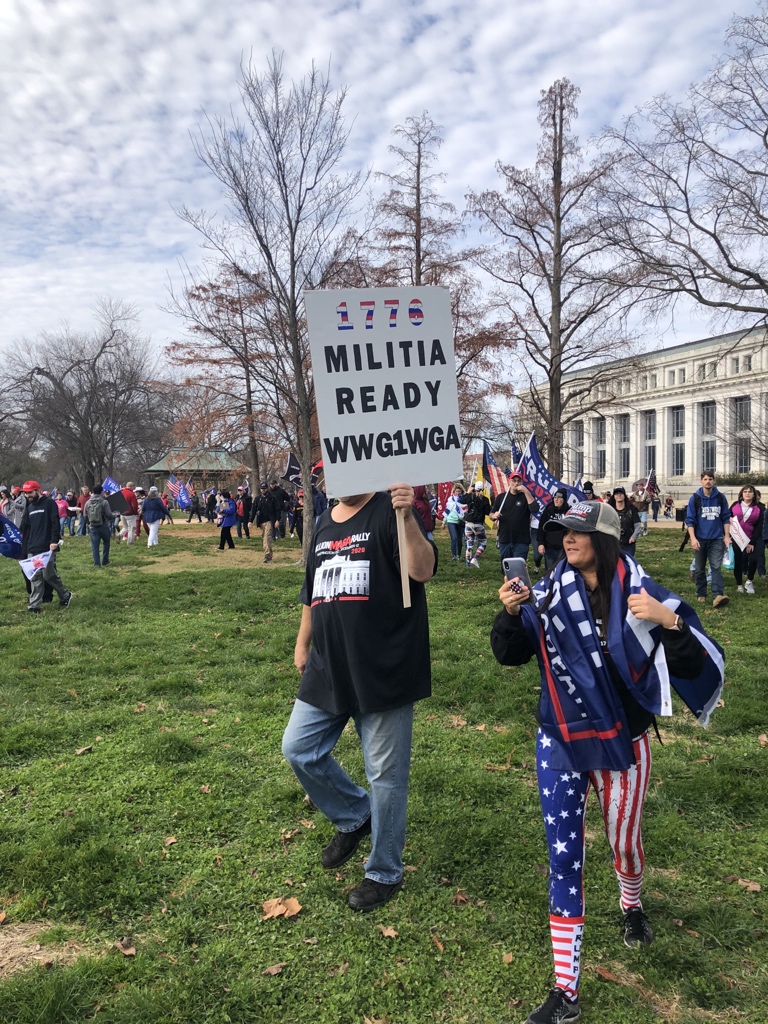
[701, 405]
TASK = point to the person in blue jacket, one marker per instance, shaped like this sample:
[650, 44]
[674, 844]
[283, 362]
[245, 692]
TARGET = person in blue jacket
[226, 520]
[708, 519]
[153, 512]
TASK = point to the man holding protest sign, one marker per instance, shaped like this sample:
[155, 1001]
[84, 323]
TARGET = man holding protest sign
[385, 379]
[362, 655]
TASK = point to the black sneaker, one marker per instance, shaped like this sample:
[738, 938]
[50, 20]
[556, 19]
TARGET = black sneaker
[343, 846]
[371, 894]
[557, 1007]
[637, 928]
[34, 611]
[67, 600]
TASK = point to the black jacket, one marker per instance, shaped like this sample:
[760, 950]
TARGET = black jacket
[40, 526]
[266, 509]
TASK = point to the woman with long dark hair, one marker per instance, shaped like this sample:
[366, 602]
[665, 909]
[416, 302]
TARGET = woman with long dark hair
[610, 642]
[630, 524]
[748, 511]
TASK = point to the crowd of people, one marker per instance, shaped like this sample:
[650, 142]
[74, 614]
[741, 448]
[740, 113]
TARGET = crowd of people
[611, 645]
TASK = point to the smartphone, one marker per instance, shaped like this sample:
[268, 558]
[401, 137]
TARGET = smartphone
[515, 568]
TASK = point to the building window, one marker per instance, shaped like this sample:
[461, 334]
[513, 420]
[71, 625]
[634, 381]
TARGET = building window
[622, 433]
[677, 420]
[577, 434]
[600, 434]
[681, 375]
[742, 414]
[644, 382]
[747, 364]
[654, 381]
[700, 371]
[678, 458]
[708, 457]
[671, 378]
[742, 455]
[650, 459]
[735, 364]
[712, 371]
[708, 418]
[649, 425]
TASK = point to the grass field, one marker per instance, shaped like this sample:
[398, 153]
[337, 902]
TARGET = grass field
[145, 799]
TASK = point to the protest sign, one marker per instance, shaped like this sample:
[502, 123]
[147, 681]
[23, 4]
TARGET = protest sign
[385, 381]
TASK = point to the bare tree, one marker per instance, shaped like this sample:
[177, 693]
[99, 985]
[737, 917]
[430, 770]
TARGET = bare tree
[686, 195]
[278, 169]
[563, 294]
[94, 402]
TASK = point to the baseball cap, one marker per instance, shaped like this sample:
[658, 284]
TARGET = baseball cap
[515, 476]
[588, 517]
[30, 485]
[478, 486]
[241, 488]
[263, 485]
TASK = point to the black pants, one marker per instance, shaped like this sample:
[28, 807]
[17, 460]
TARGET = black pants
[199, 517]
[743, 562]
[242, 524]
[226, 535]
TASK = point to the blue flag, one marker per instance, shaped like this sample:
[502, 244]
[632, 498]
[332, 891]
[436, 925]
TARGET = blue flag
[110, 486]
[183, 499]
[539, 481]
[10, 538]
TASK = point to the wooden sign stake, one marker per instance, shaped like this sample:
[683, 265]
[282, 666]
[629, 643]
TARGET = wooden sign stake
[404, 578]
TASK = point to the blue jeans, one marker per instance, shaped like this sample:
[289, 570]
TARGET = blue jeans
[456, 531]
[308, 742]
[711, 551]
[512, 551]
[70, 521]
[82, 527]
[101, 533]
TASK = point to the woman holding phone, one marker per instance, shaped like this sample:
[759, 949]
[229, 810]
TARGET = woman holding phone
[609, 641]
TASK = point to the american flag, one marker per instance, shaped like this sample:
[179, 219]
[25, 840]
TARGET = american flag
[174, 486]
[492, 473]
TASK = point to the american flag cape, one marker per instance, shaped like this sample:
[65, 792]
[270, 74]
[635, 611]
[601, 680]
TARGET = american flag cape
[580, 709]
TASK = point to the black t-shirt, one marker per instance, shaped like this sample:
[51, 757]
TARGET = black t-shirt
[478, 507]
[514, 518]
[368, 652]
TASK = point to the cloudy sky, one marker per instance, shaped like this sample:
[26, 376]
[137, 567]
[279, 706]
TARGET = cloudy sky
[99, 99]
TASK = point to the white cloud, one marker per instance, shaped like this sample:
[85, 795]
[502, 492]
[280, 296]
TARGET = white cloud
[100, 98]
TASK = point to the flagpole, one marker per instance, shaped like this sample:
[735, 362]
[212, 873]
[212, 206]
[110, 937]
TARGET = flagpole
[401, 543]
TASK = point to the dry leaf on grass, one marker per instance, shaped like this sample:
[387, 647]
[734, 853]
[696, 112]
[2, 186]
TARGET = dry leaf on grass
[275, 969]
[125, 945]
[311, 942]
[745, 883]
[410, 867]
[205, 789]
[456, 722]
[307, 824]
[438, 943]
[388, 933]
[481, 728]
[460, 898]
[2, 917]
[139, 708]
[508, 958]
[171, 840]
[763, 739]
[84, 750]
[341, 969]
[606, 975]
[501, 767]
[374, 1020]
[280, 907]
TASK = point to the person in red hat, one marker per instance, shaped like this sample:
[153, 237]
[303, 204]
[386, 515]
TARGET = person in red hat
[41, 532]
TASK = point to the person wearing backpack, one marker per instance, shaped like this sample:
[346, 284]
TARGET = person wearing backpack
[99, 515]
[708, 519]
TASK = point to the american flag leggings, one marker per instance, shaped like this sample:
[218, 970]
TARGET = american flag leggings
[563, 794]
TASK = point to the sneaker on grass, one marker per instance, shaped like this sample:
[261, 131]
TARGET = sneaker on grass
[475, 563]
[749, 586]
[555, 1009]
[637, 928]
